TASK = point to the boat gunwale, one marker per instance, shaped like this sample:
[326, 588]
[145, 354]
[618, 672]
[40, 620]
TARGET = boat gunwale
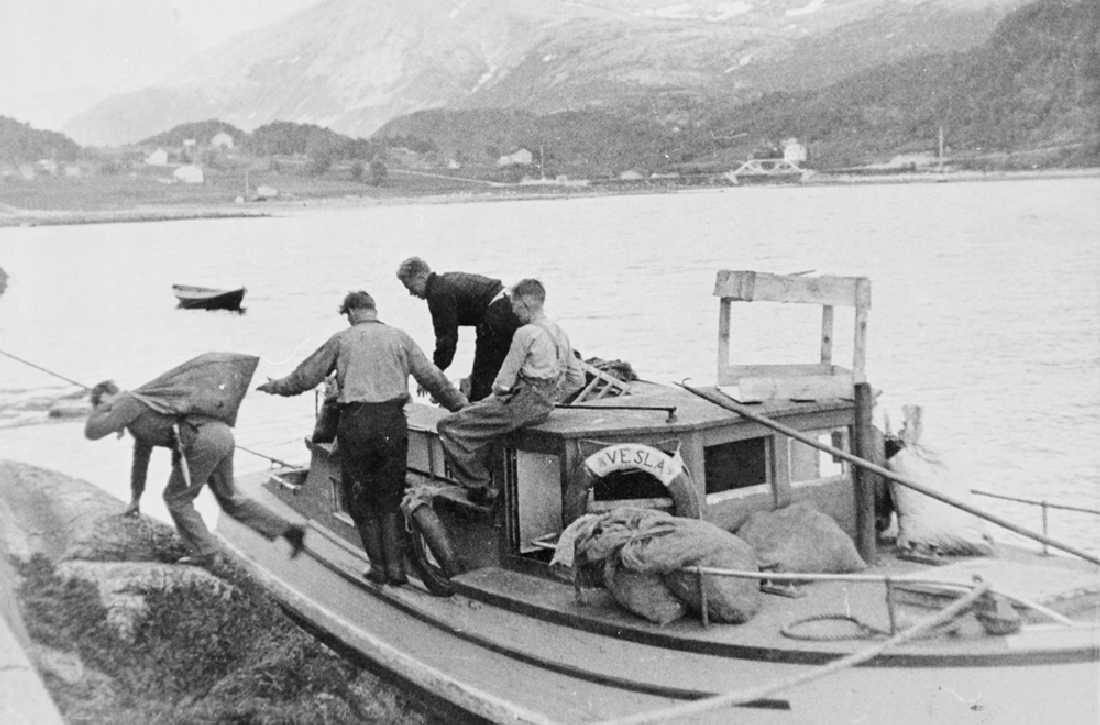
[637, 632]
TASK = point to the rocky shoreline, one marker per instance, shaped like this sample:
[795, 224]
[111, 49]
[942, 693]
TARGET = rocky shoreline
[118, 632]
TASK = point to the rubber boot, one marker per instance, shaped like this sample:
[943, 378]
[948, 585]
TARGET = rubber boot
[435, 536]
[393, 546]
[370, 533]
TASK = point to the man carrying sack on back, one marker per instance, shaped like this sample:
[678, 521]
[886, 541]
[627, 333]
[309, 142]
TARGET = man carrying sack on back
[189, 410]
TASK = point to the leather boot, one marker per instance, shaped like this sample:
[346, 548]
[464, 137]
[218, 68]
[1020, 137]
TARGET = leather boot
[370, 533]
[393, 547]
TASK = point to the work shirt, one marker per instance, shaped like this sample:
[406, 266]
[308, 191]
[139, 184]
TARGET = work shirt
[372, 362]
[540, 351]
[456, 298]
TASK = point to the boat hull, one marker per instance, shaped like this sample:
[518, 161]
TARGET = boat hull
[199, 298]
[510, 647]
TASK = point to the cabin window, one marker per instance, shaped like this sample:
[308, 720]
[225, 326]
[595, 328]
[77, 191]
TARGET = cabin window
[808, 463]
[739, 464]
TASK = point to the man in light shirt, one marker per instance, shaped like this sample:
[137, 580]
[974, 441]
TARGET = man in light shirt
[539, 371]
[372, 362]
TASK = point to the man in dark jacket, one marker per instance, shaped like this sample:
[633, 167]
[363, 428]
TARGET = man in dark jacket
[372, 362]
[459, 298]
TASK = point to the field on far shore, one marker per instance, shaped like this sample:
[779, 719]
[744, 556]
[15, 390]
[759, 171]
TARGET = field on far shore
[152, 195]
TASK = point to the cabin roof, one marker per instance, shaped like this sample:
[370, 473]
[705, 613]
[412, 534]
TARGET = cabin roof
[692, 413]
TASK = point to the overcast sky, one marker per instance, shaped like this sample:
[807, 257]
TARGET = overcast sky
[61, 56]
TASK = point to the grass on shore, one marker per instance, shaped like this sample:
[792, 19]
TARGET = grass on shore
[197, 657]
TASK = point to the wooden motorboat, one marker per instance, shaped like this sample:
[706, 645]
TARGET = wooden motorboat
[515, 643]
[207, 298]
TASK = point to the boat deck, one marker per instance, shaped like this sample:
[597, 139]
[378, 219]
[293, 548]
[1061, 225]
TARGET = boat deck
[517, 648]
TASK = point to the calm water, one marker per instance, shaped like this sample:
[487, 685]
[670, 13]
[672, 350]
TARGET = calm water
[986, 303]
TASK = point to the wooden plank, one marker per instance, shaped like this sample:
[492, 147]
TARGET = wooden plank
[806, 387]
[859, 348]
[862, 444]
[748, 286]
[662, 504]
[778, 371]
[723, 335]
[826, 334]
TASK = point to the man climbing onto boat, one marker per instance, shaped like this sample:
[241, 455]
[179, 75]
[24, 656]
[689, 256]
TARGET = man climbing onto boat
[202, 453]
[462, 299]
[539, 371]
[372, 362]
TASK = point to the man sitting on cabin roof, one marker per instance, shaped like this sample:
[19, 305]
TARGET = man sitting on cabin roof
[539, 370]
[460, 298]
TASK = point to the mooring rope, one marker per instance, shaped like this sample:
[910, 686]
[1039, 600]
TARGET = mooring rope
[272, 459]
[740, 698]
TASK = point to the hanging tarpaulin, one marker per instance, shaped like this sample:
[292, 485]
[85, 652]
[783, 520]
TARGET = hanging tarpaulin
[212, 385]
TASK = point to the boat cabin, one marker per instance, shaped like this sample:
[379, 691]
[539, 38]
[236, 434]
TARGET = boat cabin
[652, 446]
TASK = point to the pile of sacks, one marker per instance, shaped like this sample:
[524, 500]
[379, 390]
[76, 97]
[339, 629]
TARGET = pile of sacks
[640, 556]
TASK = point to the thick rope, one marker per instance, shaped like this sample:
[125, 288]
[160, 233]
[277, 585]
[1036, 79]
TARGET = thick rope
[740, 698]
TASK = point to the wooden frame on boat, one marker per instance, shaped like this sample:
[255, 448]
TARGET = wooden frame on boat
[794, 382]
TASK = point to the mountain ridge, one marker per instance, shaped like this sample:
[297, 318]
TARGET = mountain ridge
[352, 67]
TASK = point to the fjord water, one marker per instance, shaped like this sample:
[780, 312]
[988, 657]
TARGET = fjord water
[986, 304]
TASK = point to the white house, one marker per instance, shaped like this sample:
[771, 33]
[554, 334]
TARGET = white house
[519, 157]
[794, 152]
[157, 158]
[631, 175]
[222, 140]
[189, 174]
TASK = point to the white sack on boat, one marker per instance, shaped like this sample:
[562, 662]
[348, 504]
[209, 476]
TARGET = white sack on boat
[801, 539]
[925, 523]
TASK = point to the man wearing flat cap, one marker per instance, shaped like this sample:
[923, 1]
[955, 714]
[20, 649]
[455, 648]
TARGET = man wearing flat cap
[372, 362]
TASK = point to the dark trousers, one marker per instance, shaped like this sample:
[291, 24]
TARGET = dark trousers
[373, 442]
[468, 435]
[494, 337]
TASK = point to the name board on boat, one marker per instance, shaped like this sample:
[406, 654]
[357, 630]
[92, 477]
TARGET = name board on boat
[635, 456]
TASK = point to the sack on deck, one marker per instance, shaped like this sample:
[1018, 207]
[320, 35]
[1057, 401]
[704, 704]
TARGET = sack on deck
[643, 594]
[671, 545]
[729, 599]
[799, 538]
[924, 522]
[211, 385]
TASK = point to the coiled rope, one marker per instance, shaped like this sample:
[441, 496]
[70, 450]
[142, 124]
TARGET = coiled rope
[732, 699]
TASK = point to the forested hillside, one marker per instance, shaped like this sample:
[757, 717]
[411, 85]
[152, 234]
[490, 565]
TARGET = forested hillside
[1035, 84]
[21, 143]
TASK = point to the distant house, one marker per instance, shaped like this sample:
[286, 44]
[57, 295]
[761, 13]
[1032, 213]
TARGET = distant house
[222, 140]
[49, 166]
[453, 164]
[794, 152]
[665, 175]
[74, 172]
[631, 175]
[519, 157]
[189, 174]
[157, 158]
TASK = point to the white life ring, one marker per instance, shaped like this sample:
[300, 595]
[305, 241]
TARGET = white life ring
[669, 470]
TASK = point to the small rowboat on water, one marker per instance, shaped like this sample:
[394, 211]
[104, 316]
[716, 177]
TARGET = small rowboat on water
[207, 298]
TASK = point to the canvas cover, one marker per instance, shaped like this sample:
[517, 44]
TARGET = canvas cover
[211, 385]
